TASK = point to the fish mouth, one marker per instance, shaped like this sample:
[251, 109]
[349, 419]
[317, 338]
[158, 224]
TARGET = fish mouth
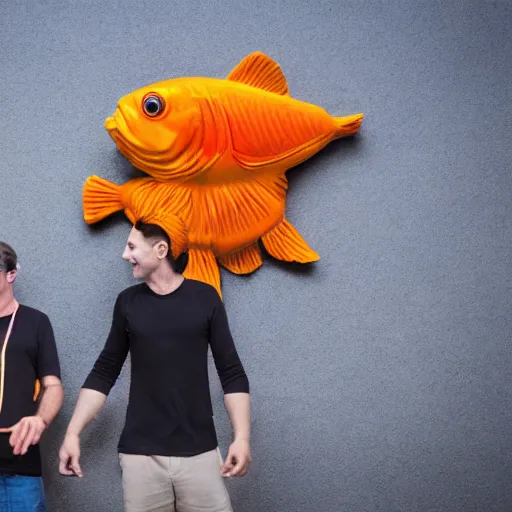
[117, 127]
[152, 161]
[134, 150]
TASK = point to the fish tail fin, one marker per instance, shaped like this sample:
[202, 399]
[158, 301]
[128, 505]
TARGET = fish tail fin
[101, 198]
[348, 125]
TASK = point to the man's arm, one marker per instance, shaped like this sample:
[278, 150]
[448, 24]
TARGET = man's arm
[88, 405]
[95, 390]
[239, 454]
[51, 400]
[48, 372]
[236, 391]
[238, 406]
[28, 430]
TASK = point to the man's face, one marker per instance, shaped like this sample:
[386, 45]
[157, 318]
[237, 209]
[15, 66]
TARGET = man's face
[143, 254]
[6, 280]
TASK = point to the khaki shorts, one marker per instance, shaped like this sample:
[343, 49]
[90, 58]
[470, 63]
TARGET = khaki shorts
[174, 484]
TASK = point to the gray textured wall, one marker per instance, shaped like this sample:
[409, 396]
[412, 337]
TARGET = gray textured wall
[380, 376]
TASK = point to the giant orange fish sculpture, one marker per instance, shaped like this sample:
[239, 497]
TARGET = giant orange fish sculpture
[216, 151]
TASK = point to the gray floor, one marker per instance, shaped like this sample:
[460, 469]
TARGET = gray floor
[381, 374]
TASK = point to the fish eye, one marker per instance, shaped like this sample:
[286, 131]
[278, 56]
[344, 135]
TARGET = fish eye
[153, 105]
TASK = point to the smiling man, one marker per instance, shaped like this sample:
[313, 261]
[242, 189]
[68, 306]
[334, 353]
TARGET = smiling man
[28, 358]
[168, 448]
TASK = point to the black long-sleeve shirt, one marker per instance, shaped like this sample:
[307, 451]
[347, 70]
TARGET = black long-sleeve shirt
[169, 409]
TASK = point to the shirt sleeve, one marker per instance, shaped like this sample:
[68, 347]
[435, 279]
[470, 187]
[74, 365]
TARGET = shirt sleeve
[110, 362]
[229, 367]
[47, 355]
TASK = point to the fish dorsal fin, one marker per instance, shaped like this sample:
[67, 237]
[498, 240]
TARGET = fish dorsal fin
[259, 70]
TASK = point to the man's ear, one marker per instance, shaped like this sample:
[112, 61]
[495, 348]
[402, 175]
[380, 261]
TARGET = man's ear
[11, 276]
[162, 249]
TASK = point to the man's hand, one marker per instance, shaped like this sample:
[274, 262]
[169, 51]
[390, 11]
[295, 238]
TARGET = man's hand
[238, 459]
[25, 433]
[69, 456]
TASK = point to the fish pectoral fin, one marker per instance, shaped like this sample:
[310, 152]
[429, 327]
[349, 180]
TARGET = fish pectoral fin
[101, 198]
[202, 266]
[260, 71]
[244, 261]
[285, 243]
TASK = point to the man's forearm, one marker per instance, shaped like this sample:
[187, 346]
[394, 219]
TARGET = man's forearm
[50, 402]
[88, 405]
[238, 406]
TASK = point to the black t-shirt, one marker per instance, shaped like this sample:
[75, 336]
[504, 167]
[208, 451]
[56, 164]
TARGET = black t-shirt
[169, 410]
[31, 354]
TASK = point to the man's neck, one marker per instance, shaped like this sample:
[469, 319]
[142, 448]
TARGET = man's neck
[164, 281]
[7, 304]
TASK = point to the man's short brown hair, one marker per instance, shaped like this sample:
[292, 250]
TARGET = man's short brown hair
[8, 257]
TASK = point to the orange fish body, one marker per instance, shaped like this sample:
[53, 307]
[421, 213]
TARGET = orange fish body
[217, 152]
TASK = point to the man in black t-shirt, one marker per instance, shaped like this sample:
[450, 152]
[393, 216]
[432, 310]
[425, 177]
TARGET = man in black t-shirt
[168, 448]
[31, 393]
